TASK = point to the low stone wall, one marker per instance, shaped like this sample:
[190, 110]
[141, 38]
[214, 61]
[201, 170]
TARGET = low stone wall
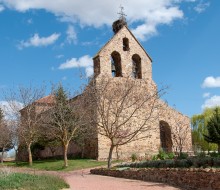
[192, 178]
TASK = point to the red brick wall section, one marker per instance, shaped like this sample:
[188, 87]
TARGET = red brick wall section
[192, 178]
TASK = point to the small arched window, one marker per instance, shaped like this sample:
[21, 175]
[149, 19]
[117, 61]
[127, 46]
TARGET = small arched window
[136, 66]
[125, 44]
[116, 64]
[96, 63]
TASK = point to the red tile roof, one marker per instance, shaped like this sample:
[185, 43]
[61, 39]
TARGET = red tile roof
[50, 99]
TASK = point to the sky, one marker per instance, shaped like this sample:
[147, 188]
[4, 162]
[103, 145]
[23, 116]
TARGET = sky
[48, 42]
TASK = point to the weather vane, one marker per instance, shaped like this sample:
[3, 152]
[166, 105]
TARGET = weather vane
[122, 14]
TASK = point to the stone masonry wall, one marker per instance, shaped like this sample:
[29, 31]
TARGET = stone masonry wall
[152, 143]
[192, 179]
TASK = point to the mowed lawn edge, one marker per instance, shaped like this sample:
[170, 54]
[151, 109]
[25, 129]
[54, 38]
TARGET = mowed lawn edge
[58, 165]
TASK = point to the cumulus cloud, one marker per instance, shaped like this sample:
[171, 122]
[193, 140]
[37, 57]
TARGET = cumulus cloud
[146, 15]
[37, 41]
[211, 82]
[206, 95]
[71, 35]
[83, 62]
[201, 6]
[211, 102]
[1, 8]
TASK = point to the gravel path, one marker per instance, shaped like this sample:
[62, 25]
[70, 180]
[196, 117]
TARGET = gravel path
[83, 180]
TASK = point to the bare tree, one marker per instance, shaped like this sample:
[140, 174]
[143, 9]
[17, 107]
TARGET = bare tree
[65, 118]
[123, 110]
[181, 134]
[5, 136]
[26, 106]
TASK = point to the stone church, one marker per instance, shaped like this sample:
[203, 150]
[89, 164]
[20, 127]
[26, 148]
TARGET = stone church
[124, 57]
[120, 60]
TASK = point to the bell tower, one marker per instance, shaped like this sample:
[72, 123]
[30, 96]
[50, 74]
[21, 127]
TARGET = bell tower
[123, 55]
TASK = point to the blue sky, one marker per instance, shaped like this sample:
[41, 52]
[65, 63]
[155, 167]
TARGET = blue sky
[44, 42]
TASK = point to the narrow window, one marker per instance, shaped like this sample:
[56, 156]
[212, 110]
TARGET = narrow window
[116, 64]
[136, 67]
[125, 44]
[96, 62]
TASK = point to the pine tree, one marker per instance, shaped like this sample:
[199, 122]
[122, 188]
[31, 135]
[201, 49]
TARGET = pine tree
[65, 119]
[213, 127]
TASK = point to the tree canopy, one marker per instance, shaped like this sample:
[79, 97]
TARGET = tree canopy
[199, 129]
[213, 128]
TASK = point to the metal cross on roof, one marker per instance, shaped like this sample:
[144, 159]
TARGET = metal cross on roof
[122, 14]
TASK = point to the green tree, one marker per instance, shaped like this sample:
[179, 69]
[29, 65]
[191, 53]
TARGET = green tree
[199, 128]
[65, 119]
[213, 127]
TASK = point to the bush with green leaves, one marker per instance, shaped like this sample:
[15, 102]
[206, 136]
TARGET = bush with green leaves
[183, 155]
[195, 162]
[162, 155]
[214, 154]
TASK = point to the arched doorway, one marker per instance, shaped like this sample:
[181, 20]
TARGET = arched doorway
[165, 137]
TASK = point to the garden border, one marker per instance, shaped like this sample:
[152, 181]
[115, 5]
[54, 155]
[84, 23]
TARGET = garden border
[187, 178]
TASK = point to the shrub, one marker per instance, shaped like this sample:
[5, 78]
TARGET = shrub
[162, 155]
[171, 155]
[134, 157]
[183, 155]
[216, 162]
[196, 162]
[201, 154]
[214, 154]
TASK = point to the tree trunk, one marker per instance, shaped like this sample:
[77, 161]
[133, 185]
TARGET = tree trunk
[110, 156]
[30, 160]
[2, 157]
[65, 149]
[83, 151]
[117, 153]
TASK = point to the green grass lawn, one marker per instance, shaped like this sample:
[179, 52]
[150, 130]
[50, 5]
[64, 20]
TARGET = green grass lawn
[31, 182]
[57, 165]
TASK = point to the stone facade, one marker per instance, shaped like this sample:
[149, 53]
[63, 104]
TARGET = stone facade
[132, 65]
[124, 49]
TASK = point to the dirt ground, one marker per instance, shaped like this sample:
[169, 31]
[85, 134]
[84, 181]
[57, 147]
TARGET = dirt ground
[83, 180]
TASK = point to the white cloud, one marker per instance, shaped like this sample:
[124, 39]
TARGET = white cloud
[9, 112]
[30, 21]
[84, 62]
[201, 6]
[59, 56]
[64, 78]
[211, 82]
[211, 102]
[206, 95]
[146, 14]
[71, 35]
[1, 8]
[38, 41]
